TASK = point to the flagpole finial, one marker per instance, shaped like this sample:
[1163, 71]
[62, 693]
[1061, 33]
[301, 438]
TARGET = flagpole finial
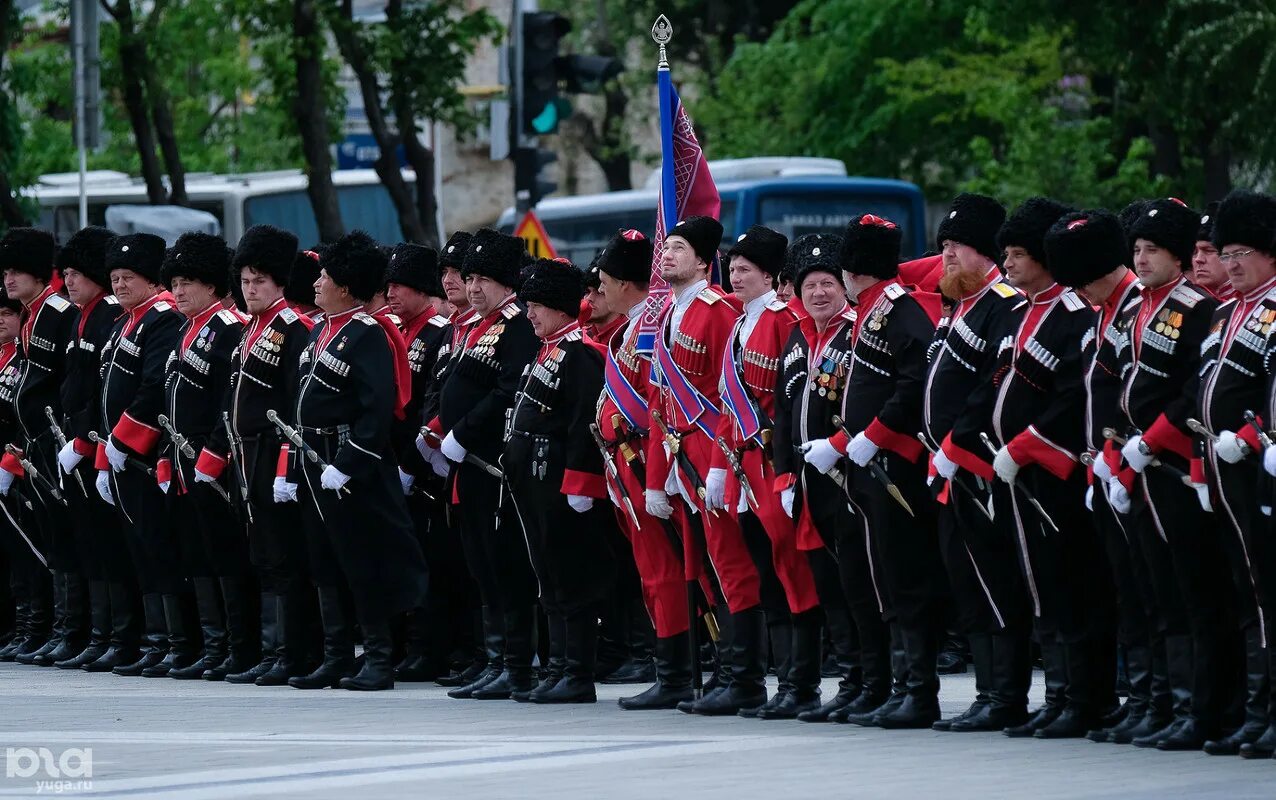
[662, 33]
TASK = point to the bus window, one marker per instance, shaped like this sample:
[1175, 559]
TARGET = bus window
[366, 208]
[798, 214]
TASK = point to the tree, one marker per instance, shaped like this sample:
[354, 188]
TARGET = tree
[11, 211]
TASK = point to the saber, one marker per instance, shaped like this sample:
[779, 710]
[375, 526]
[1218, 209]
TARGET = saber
[237, 462]
[61, 440]
[135, 463]
[470, 458]
[1195, 426]
[1263, 438]
[1018, 487]
[610, 464]
[34, 550]
[183, 446]
[733, 461]
[1109, 433]
[30, 469]
[957, 480]
[290, 433]
[877, 472]
[682, 459]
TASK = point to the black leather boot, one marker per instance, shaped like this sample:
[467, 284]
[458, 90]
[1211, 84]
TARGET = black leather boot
[181, 647]
[270, 641]
[212, 625]
[640, 667]
[494, 647]
[1200, 719]
[920, 708]
[1010, 676]
[39, 619]
[416, 666]
[463, 673]
[242, 628]
[1256, 699]
[1056, 680]
[21, 615]
[981, 658]
[99, 628]
[580, 657]
[1138, 683]
[1080, 712]
[1264, 746]
[747, 687]
[292, 644]
[951, 659]
[156, 637]
[378, 660]
[893, 682]
[804, 669]
[338, 644]
[845, 646]
[673, 677]
[520, 641]
[1158, 713]
[122, 649]
[780, 634]
[722, 649]
[1178, 653]
[557, 658]
[70, 612]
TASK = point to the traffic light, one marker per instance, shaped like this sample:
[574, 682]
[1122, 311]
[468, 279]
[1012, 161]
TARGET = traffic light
[529, 186]
[542, 108]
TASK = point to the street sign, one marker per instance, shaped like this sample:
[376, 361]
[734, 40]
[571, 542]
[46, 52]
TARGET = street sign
[532, 231]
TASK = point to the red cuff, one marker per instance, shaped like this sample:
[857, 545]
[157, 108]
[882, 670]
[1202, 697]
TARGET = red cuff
[1197, 470]
[942, 497]
[785, 481]
[9, 463]
[100, 461]
[436, 426]
[281, 466]
[1126, 477]
[1164, 436]
[585, 484]
[1249, 436]
[1030, 447]
[840, 441]
[136, 436]
[83, 447]
[966, 459]
[163, 471]
[900, 444]
[1111, 456]
[210, 463]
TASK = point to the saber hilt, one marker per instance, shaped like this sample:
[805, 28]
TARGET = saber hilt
[292, 435]
[1015, 486]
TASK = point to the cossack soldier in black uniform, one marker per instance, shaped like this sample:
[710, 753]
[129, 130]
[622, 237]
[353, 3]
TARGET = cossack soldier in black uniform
[132, 363]
[112, 584]
[48, 321]
[346, 472]
[555, 475]
[213, 546]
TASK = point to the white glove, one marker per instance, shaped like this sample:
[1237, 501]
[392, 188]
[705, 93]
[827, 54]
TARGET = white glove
[1133, 454]
[423, 447]
[742, 505]
[68, 459]
[671, 481]
[821, 454]
[944, 465]
[1006, 467]
[104, 485]
[579, 503]
[715, 489]
[1118, 497]
[1267, 510]
[1089, 497]
[6, 481]
[861, 449]
[115, 455]
[786, 500]
[333, 478]
[1230, 447]
[406, 480]
[202, 478]
[1269, 460]
[658, 504]
[284, 491]
[164, 487]
[453, 449]
[439, 463]
[1101, 469]
[1203, 496]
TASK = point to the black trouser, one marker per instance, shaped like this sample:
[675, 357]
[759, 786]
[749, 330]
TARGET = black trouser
[276, 537]
[495, 549]
[52, 516]
[145, 520]
[1137, 610]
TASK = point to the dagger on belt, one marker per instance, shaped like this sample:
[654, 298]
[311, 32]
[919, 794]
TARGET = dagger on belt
[957, 480]
[1263, 438]
[1015, 486]
[1119, 440]
[610, 463]
[30, 469]
[737, 469]
[683, 460]
[1196, 427]
[60, 437]
[184, 447]
[877, 472]
[292, 435]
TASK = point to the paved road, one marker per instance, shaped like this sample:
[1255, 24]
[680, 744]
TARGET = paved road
[162, 738]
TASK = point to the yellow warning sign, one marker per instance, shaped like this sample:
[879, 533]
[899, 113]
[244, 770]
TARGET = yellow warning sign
[532, 231]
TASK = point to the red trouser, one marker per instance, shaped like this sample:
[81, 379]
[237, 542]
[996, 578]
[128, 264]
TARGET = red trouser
[664, 589]
[793, 568]
[727, 551]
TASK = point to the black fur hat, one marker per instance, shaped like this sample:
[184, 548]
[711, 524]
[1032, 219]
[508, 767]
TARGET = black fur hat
[85, 252]
[704, 234]
[1130, 213]
[763, 246]
[28, 250]
[201, 257]
[495, 255]
[453, 253]
[592, 279]
[973, 220]
[1205, 231]
[627, 257]
[302, 276]
[142, 253]
[356, 262]
[870, 246]
[814, 252]
[1168, 223]
[268, 250]
[1083, 246]
[1246, 218]
[554, 283]
[8, 302]
[1026, 227]
[415, 266]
